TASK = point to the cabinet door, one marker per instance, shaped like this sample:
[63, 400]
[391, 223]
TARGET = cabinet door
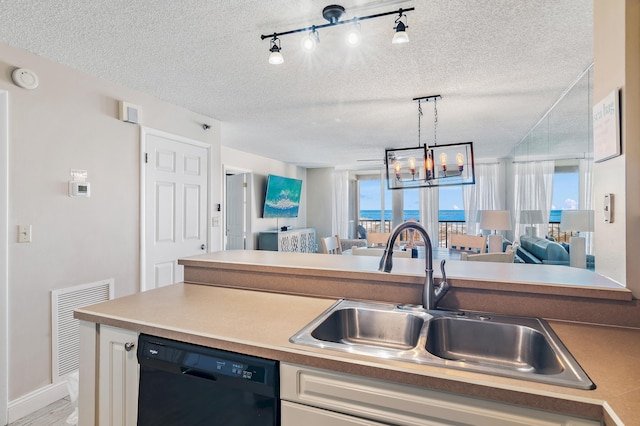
[398, 404]
[118, 378]
[293, 414]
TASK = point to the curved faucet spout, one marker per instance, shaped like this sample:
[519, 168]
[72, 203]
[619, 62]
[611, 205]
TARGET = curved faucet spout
[431, 294]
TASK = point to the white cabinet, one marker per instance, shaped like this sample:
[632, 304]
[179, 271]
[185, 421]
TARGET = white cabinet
[108, 376]
[295, 240]
[118, 373]
[317, 395]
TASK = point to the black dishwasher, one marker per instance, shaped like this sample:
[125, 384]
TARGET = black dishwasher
[185, 384]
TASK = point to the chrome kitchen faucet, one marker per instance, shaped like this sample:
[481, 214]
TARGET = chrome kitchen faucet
[431, 294]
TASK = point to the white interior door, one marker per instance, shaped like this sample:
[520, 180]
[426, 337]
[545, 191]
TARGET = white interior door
[176, 188]
[236, 211]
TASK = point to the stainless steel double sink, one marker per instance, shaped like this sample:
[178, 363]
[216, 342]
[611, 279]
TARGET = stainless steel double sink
[517, 347]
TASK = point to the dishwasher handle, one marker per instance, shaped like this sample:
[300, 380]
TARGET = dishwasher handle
[198, 373]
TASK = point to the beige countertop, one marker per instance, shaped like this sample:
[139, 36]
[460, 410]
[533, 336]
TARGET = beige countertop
[260, 324]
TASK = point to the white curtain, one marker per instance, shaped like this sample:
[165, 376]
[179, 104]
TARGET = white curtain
[429, 212]
[340, 213]
[486, 194]
[533, 188]
[585, 171]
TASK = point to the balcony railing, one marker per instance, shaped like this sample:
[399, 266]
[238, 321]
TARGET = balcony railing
[458, 227]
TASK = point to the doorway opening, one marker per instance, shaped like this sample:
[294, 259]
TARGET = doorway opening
[237, 209]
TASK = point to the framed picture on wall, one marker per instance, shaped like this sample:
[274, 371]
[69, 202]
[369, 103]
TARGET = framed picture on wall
[606, 127]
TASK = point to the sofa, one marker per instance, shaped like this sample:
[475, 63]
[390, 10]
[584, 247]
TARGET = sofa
[541, 250]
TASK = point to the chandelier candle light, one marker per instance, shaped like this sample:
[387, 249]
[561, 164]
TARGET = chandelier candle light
[428, 166]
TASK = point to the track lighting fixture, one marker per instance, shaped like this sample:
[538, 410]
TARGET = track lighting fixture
[275, 58]
[333, 13]
[401, 35]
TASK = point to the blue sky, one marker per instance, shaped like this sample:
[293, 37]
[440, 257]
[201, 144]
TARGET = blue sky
[565, 195]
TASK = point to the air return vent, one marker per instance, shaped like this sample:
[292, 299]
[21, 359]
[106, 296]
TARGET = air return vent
[65, 330]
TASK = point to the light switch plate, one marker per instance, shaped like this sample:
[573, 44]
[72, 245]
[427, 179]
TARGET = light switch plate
[24, 233]
[608, 208]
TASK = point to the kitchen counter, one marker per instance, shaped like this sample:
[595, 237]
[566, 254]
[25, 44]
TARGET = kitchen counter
[550, 279]
[548, 291]
[260, 323]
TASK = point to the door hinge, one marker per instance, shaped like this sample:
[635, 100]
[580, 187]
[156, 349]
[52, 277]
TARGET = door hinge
[244, 184]
[146, 157]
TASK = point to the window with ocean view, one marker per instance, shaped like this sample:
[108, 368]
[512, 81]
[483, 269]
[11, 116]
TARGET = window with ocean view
[376, 214]
[376, 208]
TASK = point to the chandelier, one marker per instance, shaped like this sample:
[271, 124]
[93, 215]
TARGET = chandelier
[429, 166]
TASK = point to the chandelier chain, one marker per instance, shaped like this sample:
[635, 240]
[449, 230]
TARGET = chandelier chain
[435, 121]
[419, 120]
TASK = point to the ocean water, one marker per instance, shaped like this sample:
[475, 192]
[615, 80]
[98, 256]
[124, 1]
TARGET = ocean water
[443, 216]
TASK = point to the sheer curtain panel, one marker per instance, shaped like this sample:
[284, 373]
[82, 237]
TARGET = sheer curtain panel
[429, 213]
[533, 188]
[486, 194]
[340, 214]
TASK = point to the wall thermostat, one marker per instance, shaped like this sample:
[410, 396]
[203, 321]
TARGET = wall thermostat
[79, 189]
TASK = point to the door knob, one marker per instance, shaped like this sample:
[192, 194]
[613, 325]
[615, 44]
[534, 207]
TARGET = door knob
[128, 346]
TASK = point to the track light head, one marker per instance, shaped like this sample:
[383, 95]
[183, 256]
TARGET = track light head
[400, 35]
[354, 37]
[275, 58]
[310, 41]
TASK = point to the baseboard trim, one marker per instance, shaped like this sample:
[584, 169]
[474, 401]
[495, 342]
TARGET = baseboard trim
[33, 401]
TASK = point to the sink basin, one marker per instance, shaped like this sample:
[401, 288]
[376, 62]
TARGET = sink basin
[517, 347]
[372, 327]
[498, 345]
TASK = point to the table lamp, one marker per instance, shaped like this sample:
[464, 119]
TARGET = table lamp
[495, 220]
[530, 217]
[579, 221]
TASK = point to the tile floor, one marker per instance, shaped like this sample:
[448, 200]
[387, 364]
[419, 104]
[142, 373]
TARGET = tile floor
[54, 414]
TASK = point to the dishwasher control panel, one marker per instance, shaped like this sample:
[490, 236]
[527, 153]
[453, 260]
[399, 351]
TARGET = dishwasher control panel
[194, 359]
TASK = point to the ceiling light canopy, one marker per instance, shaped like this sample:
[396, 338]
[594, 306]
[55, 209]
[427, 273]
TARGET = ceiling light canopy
[333, 13]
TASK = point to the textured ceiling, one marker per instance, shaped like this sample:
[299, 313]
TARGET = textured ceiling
[498, 64]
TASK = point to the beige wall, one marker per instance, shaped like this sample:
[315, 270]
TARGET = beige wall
[617, 65]
[70, 122]
[260, 168]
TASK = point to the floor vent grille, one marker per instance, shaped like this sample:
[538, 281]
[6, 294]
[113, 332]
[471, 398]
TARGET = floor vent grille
[65, 330]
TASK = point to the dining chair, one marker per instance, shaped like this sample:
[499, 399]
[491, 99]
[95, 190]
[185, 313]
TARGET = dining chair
[331, 245]
[378, 238]
[468, 243]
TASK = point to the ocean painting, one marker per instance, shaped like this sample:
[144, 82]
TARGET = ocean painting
[282, 198]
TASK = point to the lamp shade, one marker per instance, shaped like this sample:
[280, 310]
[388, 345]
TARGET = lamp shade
[576, 220]
[497, 220]
[531, 217]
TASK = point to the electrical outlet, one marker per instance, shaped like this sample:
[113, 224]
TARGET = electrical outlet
[24, 233]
